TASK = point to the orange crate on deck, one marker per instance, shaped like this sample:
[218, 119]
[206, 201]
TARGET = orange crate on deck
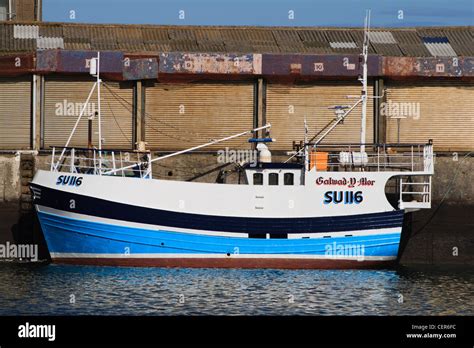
[319, 159]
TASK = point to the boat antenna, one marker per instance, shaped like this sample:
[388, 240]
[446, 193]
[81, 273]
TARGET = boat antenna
[305, 146]
[99, 81]
[365, 53]
[342, 111]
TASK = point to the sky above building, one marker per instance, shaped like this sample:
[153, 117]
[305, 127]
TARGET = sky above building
[385, 13]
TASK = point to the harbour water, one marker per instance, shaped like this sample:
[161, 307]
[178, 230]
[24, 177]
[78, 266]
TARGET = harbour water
[49, 289]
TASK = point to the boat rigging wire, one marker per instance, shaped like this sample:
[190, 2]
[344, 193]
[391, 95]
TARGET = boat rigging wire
[148, 115]
[116, 121]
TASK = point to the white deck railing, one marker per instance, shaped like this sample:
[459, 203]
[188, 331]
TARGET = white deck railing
[95, 162]
[388, 157]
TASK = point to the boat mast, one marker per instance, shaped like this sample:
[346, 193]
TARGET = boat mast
[305, 146]
[96, 69]
[365, 53]
[99, 81]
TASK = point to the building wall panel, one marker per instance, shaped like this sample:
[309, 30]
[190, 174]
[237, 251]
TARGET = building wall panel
[15, 113]
[63, 99]
[438, 110]
[288, 105]
[180, 116]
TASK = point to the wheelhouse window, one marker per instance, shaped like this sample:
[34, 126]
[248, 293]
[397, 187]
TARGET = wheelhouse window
[289, 179]
[257, 178]
[273, 179]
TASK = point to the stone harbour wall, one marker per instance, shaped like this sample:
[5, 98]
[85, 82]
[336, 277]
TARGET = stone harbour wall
[442, 235]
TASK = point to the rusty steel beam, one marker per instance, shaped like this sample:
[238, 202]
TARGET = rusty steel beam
[312, 65]
[17, 64]
[67, 62]
[140, 68]
[210, 63]
[117, 65]
[428, 67]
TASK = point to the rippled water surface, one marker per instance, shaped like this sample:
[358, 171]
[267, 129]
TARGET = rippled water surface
[71, 290]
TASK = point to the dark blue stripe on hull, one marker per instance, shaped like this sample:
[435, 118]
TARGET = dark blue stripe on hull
[112, 210]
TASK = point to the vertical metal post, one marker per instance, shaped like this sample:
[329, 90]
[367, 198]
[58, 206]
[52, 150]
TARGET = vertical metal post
[150, 168]
[306, 154]
[52, 159]
[429, 189]
[41, 121]
[99, 112]
[364, 83]
[260, 106]
[136, 130]
[39, 10]
[72, 160]
[138, 114]
[142, 102]
[398, 130]
[98, 100]
[10, 10]
[113, 160]
[379, 119]
[33, 113]
[139, 166]
[89, 133]
[121, 162]
[378, 158]
[36, 112]
[401, 187]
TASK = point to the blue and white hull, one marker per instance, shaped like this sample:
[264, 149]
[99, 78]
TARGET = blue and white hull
[75, 238]
[89, 227]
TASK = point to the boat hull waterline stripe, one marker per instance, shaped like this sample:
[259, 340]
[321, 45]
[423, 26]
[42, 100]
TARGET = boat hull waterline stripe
[247, 263]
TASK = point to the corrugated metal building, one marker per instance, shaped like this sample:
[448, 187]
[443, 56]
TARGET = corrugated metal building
[437, 109]
[15, 113]
[195, 113]
[288, 106]
[175, 87]
[64, 99]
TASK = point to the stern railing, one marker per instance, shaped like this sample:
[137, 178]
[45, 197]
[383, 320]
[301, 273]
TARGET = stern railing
[377, 157]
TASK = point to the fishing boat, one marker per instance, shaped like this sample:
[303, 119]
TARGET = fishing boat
[326, 206]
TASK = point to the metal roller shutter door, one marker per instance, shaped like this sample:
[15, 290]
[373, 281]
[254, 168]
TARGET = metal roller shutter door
[62, 104]
[288, 105]
[446, 113]
[180, 116]
[15, 113]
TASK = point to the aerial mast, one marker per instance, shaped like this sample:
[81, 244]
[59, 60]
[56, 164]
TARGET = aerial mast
[365, 53]
[95, 71]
